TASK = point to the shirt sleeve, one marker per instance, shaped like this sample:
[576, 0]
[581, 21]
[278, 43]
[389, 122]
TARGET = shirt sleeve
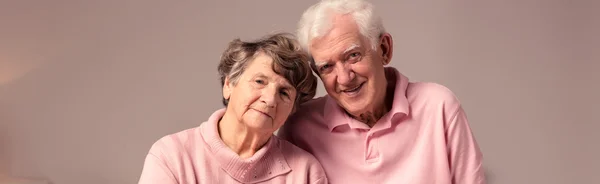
[155, 171]
[466, 159]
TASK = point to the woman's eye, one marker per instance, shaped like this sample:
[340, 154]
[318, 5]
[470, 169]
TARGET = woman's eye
[284, 93]
[259, 81]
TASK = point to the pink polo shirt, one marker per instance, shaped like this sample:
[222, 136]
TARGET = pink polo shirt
[424, 139]
[199, 156]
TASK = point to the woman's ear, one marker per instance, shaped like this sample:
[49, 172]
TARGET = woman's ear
[227, 87]
[387, 47]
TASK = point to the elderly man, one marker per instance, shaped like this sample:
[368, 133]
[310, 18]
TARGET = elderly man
[375, 126]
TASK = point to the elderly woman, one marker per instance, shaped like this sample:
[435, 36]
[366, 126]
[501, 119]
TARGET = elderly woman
[263, 82]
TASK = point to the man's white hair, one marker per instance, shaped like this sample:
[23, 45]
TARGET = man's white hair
[316, 21]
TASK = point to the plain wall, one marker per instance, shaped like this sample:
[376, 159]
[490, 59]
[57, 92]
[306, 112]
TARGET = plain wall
[86, 87]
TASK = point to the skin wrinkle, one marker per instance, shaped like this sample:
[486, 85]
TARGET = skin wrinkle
[345, 52]
[343, 74]
[371, 118]
[260, 91]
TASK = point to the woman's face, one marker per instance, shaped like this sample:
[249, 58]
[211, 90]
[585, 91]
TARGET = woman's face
[261, 99]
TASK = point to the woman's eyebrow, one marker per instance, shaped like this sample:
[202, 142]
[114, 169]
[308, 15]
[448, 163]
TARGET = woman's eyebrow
[259, 75]
[287, 86]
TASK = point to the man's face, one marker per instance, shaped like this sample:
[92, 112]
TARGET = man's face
[351, 71]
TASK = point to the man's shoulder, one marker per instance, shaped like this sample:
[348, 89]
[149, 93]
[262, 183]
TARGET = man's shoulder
[431, 93]
[432, 98]
[310, 108]
[313, 105]
[307, 116]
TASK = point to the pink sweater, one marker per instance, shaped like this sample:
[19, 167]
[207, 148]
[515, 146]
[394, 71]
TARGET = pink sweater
[198, 155]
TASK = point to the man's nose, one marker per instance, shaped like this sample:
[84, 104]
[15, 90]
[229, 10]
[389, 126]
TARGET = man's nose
[345, 75]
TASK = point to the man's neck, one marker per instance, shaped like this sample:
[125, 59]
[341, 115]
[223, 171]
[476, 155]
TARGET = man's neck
[371, 117]
[383, 105]
[239, 138]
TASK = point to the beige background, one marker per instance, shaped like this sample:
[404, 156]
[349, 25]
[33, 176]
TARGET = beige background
[87, 86]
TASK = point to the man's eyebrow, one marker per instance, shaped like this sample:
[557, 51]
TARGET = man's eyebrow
[351, 48]
[318, 64]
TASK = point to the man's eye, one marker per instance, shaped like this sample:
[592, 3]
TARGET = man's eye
[354, 55]
[325, 67]
[259, 81]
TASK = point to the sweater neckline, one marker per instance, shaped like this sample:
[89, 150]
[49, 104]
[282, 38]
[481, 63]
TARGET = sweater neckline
[266, 163]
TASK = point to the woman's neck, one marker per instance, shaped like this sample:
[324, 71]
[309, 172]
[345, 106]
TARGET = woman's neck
[240, 138]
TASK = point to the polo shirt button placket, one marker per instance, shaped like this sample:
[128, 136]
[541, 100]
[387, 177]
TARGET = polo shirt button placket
[373, 153]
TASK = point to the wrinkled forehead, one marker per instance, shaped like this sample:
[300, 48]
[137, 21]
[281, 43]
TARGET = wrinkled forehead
[333, 49]
[269, 75]
[263, 67]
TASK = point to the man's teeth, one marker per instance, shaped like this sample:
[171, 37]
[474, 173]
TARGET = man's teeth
[353, 89]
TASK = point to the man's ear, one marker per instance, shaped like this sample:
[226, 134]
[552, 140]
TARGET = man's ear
[386, 45]
[227, 88]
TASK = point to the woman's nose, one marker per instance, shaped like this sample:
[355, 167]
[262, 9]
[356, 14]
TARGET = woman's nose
[269, 97]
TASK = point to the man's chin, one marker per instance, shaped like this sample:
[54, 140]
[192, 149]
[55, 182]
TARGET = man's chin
[354, 110]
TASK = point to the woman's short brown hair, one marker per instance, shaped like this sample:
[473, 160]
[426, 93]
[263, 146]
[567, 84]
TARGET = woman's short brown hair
[289, 61]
